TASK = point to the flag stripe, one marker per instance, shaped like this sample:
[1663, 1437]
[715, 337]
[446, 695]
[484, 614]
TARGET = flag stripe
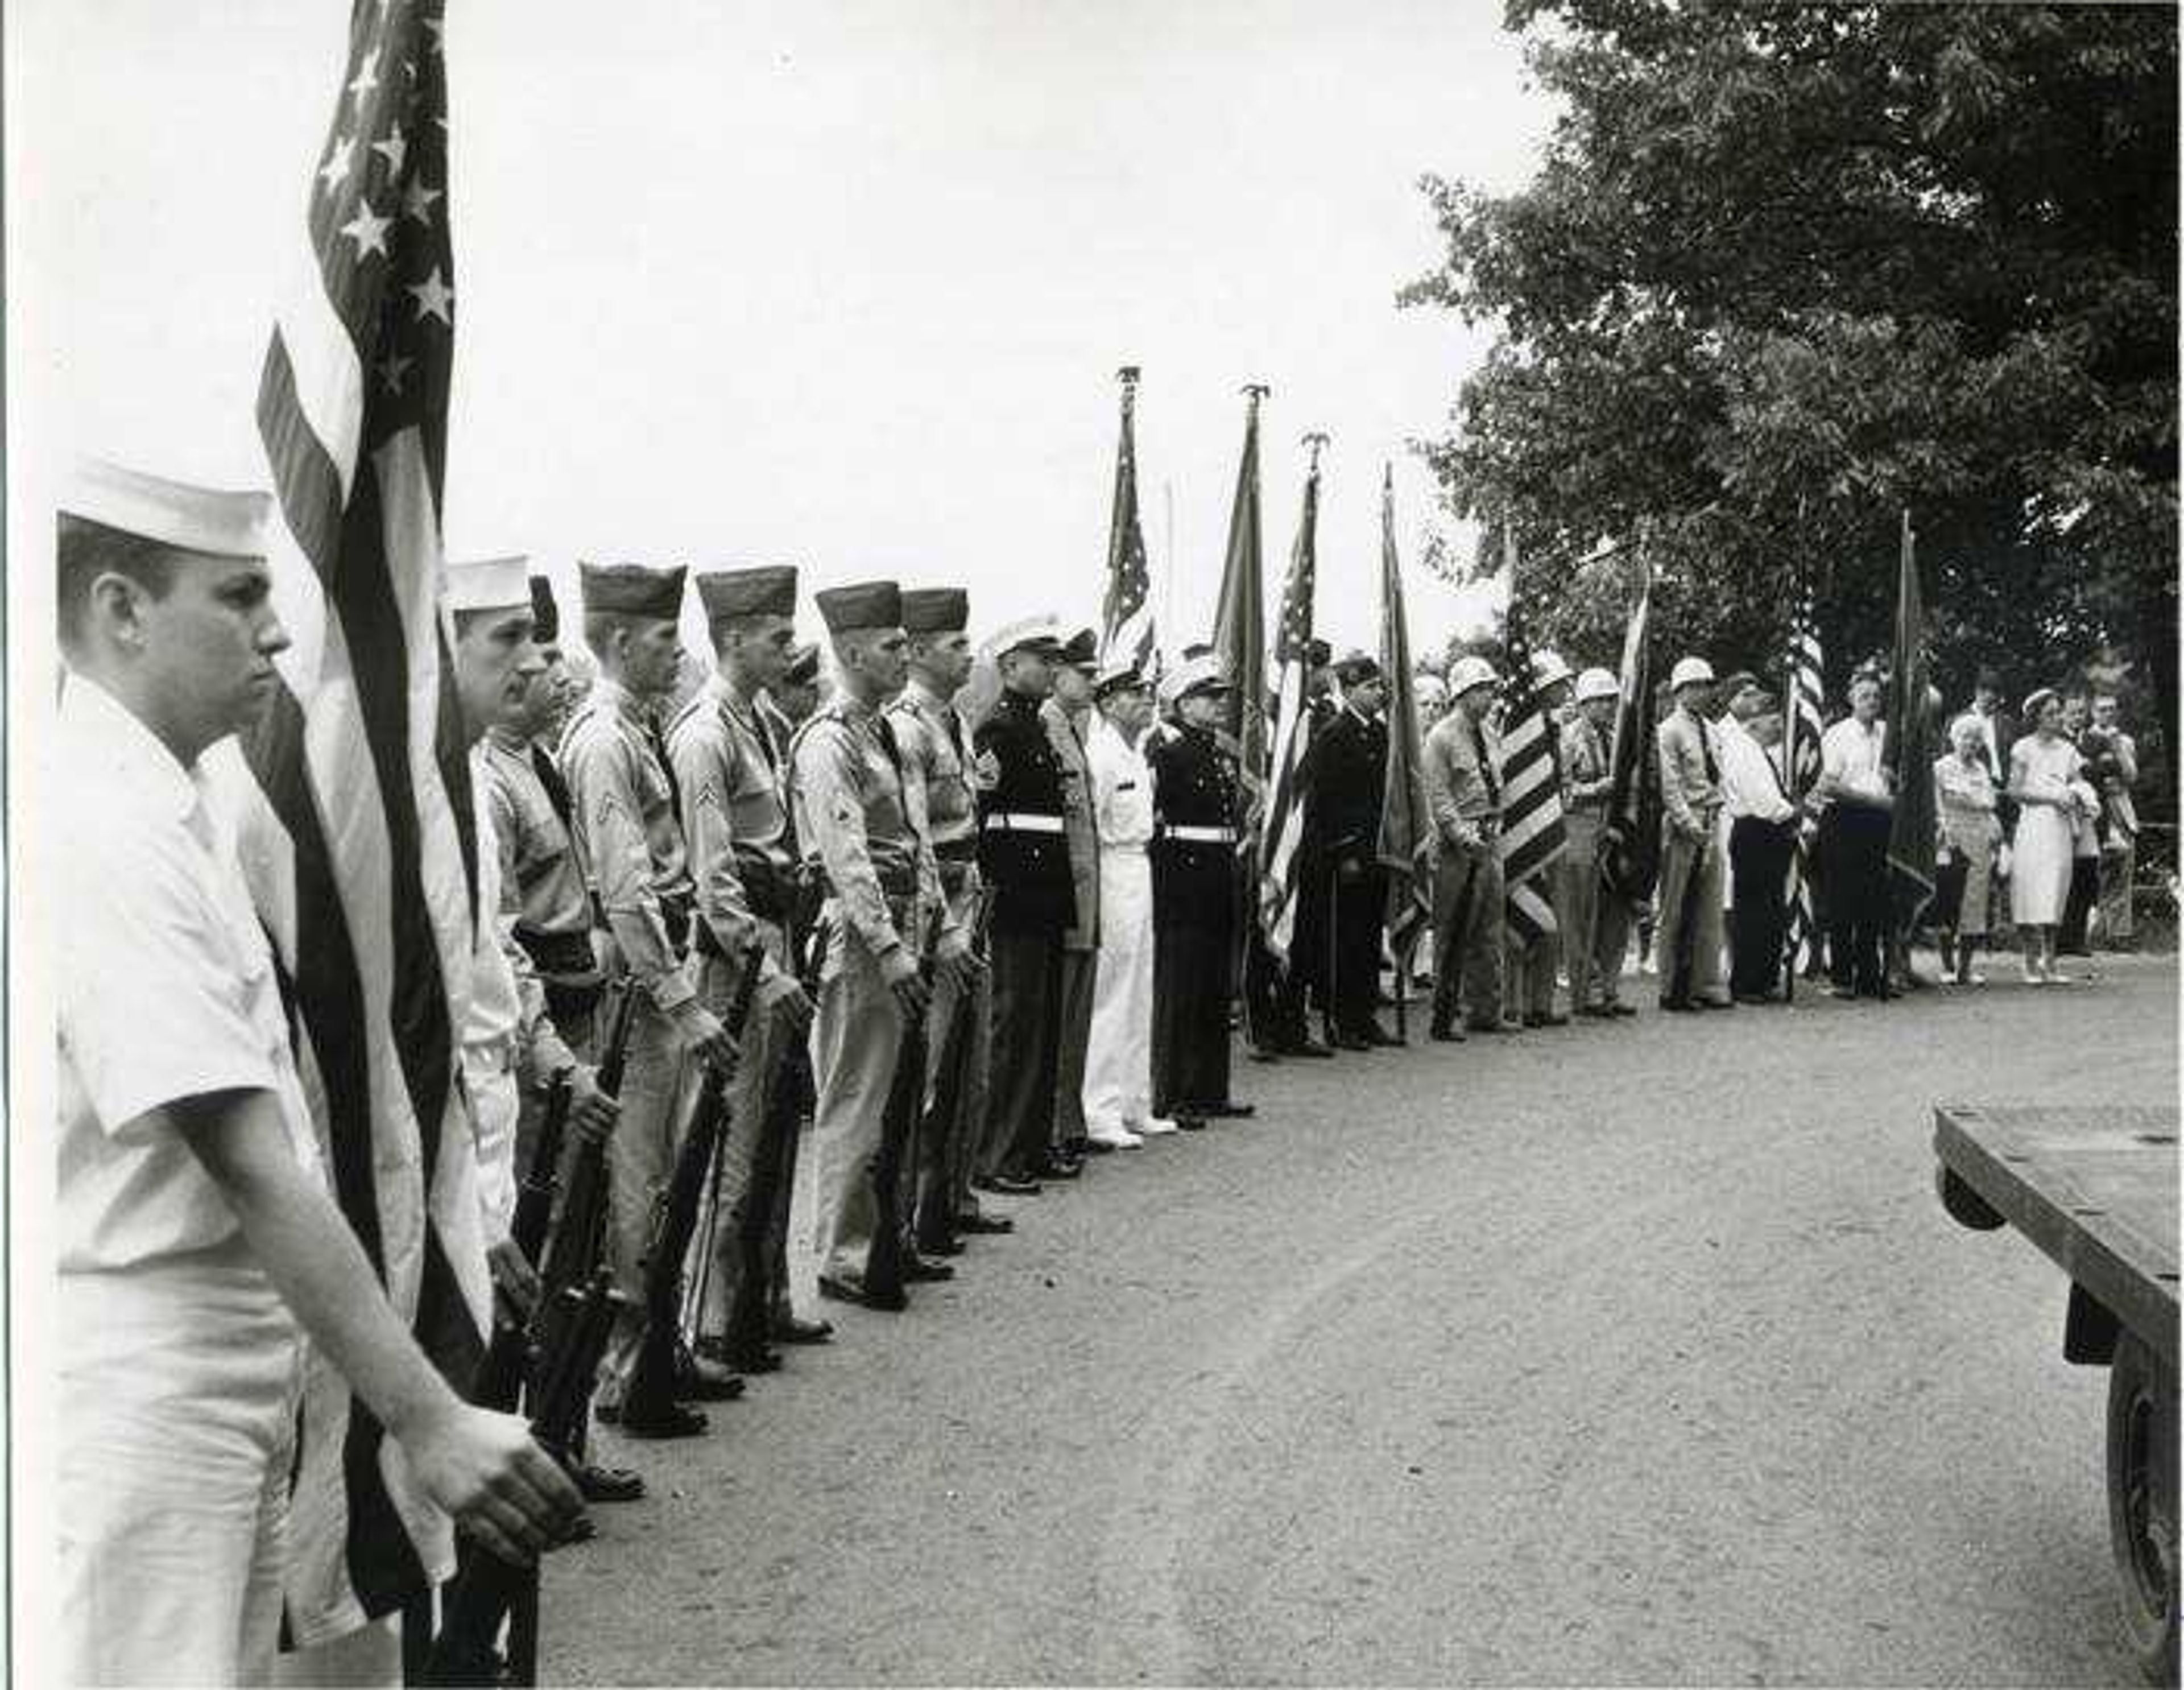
[1533, 834]
[1283, 829]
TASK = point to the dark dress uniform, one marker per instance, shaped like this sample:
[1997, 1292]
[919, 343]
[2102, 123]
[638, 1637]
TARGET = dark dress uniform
[1347, 776]
[1023, 855]
[1194, 858]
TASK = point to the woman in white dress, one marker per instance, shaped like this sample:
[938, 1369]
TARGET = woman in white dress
[2044, 781]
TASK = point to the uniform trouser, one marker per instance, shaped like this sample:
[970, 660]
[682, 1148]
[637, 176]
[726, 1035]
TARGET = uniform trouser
[856, 1039]
[1273, 1000]
[640, 1161]
[1027, 1034]
[952, 1151]
[1854, 843]
[1528, 971]
[1313, 974]
[755, 1117]
[1759, 870]
[2078, 906]
[1688, 938]
[1118, 1067]
[2119, 864]
[1075, 985]
[1191, 969]
[177, 1399]
[1468, 922]
[1595, 919]
[1359, 905]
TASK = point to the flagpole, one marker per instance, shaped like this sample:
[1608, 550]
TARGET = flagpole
[1167, 573]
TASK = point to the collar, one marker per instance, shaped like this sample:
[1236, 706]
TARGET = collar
[626, 704]
[722, 693]
[504, 738]
[924, 694]
[116, 743]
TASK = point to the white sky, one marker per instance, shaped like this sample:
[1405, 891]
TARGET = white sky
[843, 285]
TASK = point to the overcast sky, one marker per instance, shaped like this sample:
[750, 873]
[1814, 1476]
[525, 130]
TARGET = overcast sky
[843, 285]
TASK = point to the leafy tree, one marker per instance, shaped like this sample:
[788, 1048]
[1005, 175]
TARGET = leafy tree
[1789, 270]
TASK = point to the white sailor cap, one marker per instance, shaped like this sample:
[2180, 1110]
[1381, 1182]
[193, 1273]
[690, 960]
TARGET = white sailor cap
[1598, 683]
[1470, 672]
[489, 583]
[1043, 630]
[201, 519]
[1690, 672]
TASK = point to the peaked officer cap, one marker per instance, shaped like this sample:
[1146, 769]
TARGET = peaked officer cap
[545, 614]
[1200, 674]
[767, 589]
[1041, 631]
[630, 590]
[489, 583]
[862, 604]
[1080, 650]
[190, 518]
[935, 610]
[1118, 673]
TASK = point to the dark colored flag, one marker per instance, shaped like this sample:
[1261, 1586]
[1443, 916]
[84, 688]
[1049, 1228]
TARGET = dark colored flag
[1407, 831]
[1631, 836]
[1240, 622]
[1914, 728]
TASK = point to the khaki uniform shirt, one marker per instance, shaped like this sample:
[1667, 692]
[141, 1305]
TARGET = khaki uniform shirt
[935, 741]
[1691, 773]
[1463, 779]
[732, 778]
[631, 835]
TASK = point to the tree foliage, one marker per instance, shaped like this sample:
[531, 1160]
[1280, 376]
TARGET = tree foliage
[1788, 269]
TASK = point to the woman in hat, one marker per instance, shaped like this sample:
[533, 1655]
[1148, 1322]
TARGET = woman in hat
[2044, 783]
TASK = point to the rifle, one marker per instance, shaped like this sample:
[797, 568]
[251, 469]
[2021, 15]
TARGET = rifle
[884, 1265]
[507, 1359]
[651, 1390]
[945, 1117]
[486, 1591]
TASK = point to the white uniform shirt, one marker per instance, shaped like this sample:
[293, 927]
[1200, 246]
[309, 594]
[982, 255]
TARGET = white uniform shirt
[1122, 790]
[1749, 783]
[166, 991]
[1850, 752]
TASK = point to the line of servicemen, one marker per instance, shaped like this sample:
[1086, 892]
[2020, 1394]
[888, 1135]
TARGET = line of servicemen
[957, 981]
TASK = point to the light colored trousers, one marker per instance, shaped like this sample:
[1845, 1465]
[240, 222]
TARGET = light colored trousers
[1118, 1062]
[640, 1160]
[2119, 864]
[945, 1168]
[1528, 967]
[1680, 861]
[1596, 922]
[855, 1039]
[178, 1397]
[1468, 924]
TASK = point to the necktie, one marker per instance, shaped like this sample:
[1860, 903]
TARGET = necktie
[557, 790]
[658, 741]
[1485, 762]
[1706, 754]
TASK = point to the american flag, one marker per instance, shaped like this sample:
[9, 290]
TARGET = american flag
[1126, 617]
[359, 829]
[1802, 724]
[1532, 834]
[1284, 831]
[1406, 830]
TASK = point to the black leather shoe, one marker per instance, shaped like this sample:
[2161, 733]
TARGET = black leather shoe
[1552, 1017]
[839, 1291]
[1376, 1034]
[673, 1421]
[918, 1270]
[1679, 1006]
[751, 1359]
[1227, 1111]
[1089, 1148]
[1480, 1023]
[1616, 1007]
[934, 1245]
[1352, 1042]
[1261, 1053]
[705, 1381]
[1446, 1033]
[1055, 1168]
[1309, 1048]
[1009, 1185]
[794, 1328]
[991, 1224]
[608, 1484]
[1187, 1121]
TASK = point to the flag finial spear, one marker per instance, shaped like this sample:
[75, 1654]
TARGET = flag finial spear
[1127, 376]
[1253, 392]
[1313, 442]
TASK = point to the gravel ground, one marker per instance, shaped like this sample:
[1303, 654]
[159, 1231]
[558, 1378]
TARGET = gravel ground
[1641, 1353]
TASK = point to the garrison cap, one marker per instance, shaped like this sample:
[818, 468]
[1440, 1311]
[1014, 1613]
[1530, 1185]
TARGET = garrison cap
[935, 610]
[545, 614]
[489, 583]
[189, 518]
[803, 669]
[1080, 650]
[631, 589]
[862, 604]
[768, 590]
[1356, 667]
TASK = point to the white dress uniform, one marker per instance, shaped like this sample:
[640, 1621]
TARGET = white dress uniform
[178, 1363]
[1118, 1056]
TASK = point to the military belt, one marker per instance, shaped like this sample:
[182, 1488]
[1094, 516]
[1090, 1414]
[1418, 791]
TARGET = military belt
[1185, 835]
[1021, 822]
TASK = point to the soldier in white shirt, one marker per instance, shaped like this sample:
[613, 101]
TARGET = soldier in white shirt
[1762, 833]
[1118, 1063]
[1853, 843]
[198, 1243]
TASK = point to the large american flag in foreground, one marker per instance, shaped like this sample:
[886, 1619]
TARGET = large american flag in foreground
[1407, 831]
[1284, 829]
[1532, 832]
[1126, 616]
[1802, 724]
[359, 826]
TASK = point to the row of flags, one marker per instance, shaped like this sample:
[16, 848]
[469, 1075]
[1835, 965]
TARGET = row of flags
[358, 833]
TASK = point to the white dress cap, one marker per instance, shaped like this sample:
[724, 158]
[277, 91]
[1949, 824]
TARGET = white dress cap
[200, 519]
[489, 583]
[1040, 630]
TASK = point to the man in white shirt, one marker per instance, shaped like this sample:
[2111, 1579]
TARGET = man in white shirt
[199, 1244]
[1853, 843]
[1118, 1062]
[1762, 833]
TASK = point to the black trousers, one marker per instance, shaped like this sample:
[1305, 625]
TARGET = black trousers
[1759, 871]
[1027, 1044]
[1361, 910]
[1190, 1014]
[2078, 906]
[1854, 844]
